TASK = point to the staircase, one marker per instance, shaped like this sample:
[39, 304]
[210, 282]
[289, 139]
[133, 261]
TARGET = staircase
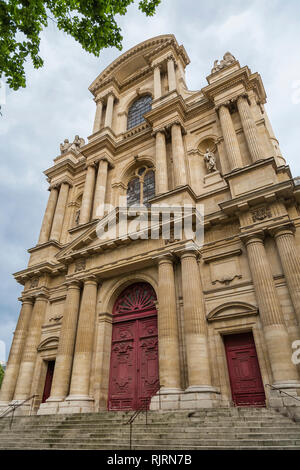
[219, 428]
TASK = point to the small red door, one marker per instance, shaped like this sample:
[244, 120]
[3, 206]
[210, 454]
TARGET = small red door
[244, 372]
[134, 352]
[48, 381]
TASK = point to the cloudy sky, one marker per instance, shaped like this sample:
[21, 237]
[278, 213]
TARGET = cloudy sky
[56, 104]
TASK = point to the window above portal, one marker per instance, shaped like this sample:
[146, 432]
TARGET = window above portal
[141, 187]
[137, 110]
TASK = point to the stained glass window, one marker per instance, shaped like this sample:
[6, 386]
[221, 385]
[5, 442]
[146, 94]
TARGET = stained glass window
[137, 110]
[141, 188]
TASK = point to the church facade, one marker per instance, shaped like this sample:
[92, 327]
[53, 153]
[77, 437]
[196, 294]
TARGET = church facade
[113, 319]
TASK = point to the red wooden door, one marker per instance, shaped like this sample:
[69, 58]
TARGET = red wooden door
[244, 372]
[134, 352]
[48, 381]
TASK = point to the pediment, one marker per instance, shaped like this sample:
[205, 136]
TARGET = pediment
[48, 343]
[231, 310]
[102, 235]
[136, 59]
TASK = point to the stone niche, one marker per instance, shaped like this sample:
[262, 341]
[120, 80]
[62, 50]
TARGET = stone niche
[212, 178]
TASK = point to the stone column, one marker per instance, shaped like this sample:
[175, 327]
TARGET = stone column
[285, 242]
[171, 74]
[60, 212]
[32, 341]
[100, 191]
[180, 177]
[195, 328]
[169, 363]
[79, 397]
[249, 127]
[109, 110]
[161, 163]
[157, 82]
[88, 192]
[13, 365]
[49, 214]
[64, 358]
[98, 115]
[230, 138]
[275, 332]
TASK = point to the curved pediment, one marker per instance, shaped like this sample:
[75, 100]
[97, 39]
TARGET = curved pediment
[135, 59]
[231, 310]
[48, 343]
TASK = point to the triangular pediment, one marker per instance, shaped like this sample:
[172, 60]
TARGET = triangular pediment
[100, 236]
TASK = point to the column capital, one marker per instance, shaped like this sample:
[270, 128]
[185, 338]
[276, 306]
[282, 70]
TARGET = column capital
[99, 99]
[287, 229]
[73, 284]
[105, 159]
[243, 95]
[171, 57]
[64, 180]
[256, 237]
[91, 163]
[229, 104]
[42, 295]
[178, 123]
[26, 300]
[91, 280]
[161, 130]
[53, 186]
[164, 258]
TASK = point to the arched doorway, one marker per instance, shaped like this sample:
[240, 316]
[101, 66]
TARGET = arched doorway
[134, 351]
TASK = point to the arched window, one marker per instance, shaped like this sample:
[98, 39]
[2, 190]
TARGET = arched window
[141, 187]
[137, 110]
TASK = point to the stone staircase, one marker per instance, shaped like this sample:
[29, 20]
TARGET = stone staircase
[222, 428]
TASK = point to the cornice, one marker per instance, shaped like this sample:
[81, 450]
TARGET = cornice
[160, 42]
[244, 76]
[47, 267]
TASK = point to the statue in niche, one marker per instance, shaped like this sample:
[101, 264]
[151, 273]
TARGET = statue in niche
[228, 59]
[75, 145]
[210, 160]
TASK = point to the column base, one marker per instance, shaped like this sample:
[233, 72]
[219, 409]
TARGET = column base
[281, 400]
[50, 407]
[192, 398]
[166, 399]
[77, 404]
[200, 396]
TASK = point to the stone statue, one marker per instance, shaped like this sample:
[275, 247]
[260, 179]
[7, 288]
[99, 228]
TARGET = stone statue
[75, 145]
[228, 59]
[210, 161]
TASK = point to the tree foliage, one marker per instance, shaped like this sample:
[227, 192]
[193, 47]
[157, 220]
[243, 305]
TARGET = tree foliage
[90, 22]
[1, 374]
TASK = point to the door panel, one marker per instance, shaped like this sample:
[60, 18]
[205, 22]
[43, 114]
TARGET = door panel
[147, 373]
[244, 372]
[123, 367]
[134, 364]
[48, 380]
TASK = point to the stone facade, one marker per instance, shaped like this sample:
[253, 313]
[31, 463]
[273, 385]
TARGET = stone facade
[213, 147]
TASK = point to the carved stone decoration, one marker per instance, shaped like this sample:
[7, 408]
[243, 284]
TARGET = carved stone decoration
[34, 282]
[80, 264]
[228, 59]
[224, 271]
[227, 279]
[56, 319]
[261, 213]
[75, 145]
[210, 160]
